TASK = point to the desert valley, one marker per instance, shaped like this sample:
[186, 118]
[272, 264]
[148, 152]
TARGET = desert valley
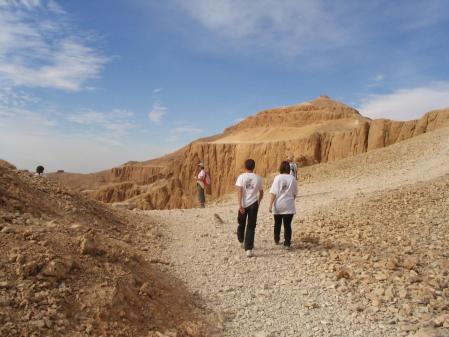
[126, 251]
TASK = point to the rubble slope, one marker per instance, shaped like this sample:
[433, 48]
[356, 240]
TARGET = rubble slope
[72, 266]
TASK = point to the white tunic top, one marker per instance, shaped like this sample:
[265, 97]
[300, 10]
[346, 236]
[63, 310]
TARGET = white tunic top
[285, 188]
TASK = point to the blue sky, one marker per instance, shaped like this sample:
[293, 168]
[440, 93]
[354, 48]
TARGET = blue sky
[87, 85]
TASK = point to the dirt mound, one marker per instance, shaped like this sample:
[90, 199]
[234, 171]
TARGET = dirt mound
[71, 266]
[319, 131]
[5, 164]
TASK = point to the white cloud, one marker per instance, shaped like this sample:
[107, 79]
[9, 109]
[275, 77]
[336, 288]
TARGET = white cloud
[376, 81]
[288, 26]
[379, 77]
[29, 138]
[55, 7]
[157, 90]
[114, 124]
[183, 130]
[9, 97]
[39, 47]
[29, 4]
[75, 152]
[405, 104]
[294, 27]
[157, 112]
[89, 117]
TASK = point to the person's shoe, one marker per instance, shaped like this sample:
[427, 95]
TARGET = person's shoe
[249, 253]
[287, 247]
[276, 242]
[242, 244]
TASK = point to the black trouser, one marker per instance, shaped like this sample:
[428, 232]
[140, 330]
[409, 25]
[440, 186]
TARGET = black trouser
[287, 219]
[248, 235]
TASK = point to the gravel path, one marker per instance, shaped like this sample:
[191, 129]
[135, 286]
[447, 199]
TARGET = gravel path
[281, 292]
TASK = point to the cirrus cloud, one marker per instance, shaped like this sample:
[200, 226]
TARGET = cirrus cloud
[157, 112]
[289, 26]
[39, 47]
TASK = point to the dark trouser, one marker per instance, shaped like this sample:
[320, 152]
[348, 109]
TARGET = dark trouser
[287, 219]
[201, 196]
[248, 235]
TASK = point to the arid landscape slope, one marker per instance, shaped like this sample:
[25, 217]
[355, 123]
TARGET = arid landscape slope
[369, 258]
[319, 131]
[70, 266]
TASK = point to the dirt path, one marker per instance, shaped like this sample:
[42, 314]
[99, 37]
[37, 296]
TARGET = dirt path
[274, 293]
[280, 292]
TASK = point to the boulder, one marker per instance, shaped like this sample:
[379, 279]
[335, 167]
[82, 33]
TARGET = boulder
[89, 245]
[58, 268]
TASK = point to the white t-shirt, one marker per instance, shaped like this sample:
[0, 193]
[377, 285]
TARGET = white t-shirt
[201, 175]
[284, 187]
[251, 184]
[200, 180]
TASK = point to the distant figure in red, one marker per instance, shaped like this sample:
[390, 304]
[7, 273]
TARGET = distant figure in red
[200, 186]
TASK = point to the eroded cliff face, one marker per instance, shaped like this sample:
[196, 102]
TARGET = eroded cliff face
[320, 131]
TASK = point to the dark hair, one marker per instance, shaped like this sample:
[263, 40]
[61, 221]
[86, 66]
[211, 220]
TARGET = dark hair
[40, 169]
[250, 164]
[285, 167]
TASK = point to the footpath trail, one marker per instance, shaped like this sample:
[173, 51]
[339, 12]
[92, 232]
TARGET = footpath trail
[275, 293]
[282, 292]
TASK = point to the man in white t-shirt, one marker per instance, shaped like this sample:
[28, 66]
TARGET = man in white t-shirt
[249, 195]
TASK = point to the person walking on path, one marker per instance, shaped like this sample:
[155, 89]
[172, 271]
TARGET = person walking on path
[282, 203]
[200, 186]
[293, 168]
[249, 195]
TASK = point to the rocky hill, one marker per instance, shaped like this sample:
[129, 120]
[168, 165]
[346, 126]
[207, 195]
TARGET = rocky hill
[319, 131]
[70, 266]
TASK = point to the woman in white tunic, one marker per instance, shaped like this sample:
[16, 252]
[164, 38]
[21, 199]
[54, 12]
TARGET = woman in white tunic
[282, 203]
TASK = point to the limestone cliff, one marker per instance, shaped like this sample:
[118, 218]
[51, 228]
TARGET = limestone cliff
[318, 131]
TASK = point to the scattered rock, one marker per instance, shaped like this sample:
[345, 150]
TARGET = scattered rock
[57, 268]
[410, 263]
[432, 332]
[218, 218]
[9, 230]
[311, 305]
[343, 274]
[89, 245]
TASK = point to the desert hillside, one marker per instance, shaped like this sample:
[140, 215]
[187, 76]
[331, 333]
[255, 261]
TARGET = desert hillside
[319, 131]
[369, 257]
[69, 266]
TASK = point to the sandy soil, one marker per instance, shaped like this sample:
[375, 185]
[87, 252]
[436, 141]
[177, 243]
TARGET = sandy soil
[309, 290]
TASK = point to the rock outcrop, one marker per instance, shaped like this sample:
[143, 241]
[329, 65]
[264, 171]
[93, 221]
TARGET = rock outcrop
[322, 130]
